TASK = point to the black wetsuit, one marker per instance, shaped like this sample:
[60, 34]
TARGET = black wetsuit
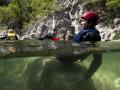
[93, 36]
[87, 35]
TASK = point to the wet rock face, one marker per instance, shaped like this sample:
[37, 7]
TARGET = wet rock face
[60, 21]
[65, 22]
[111, 32]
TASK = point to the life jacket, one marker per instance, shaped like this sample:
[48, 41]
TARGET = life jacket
[11, 36]
[91, 35]
[55, 39]
[52, 37]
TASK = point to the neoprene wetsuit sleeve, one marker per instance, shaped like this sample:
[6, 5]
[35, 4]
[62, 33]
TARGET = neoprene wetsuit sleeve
[78, 37]
[92, 36]
[87, 35]
[96, 63]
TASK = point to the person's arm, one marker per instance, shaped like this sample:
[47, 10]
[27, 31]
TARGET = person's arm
[79, 36]
[97, 61]
[51, 37]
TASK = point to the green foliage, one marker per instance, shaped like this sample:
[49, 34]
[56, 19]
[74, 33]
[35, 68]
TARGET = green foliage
[92, 4]
[6, 14]
[41, 7]
[110, 4]
[117, 36]
[113, 3]
[20, 12]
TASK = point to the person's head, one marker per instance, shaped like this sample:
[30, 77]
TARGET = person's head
[11, 31]
[89, 20]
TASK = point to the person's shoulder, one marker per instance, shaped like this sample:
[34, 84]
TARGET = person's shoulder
[96, 30]
[92, 30]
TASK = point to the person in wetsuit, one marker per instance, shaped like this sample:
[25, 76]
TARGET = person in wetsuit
[88, 33]
[91, 34]
[11, 35]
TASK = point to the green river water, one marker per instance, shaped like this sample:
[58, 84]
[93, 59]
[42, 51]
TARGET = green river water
[47, 73]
